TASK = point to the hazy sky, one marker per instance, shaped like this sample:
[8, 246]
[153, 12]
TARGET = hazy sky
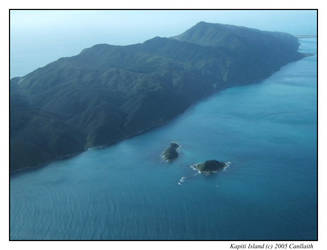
[39, 37]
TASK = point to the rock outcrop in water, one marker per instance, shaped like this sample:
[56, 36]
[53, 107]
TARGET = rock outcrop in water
[108, 93]
[171, 152]
[210, 166]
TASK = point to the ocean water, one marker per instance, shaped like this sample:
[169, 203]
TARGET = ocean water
[126, 192]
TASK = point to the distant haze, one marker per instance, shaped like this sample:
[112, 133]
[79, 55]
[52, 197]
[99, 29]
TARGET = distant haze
[40, 37]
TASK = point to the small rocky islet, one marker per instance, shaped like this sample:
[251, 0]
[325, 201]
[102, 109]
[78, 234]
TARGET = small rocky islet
[171, 152]
[210, 166]
[207, 167]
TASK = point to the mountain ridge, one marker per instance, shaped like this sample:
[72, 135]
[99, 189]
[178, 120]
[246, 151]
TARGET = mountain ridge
[108, 93]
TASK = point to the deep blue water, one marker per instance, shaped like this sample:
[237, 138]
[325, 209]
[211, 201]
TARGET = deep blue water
[266, 130]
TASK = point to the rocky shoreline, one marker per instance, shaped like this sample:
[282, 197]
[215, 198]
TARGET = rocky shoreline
[210, 166]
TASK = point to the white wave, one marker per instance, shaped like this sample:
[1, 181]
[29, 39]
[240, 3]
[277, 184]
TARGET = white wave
[227, 165]
[181, 180]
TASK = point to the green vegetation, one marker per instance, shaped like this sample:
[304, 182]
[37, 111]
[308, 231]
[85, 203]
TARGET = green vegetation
[108, 93]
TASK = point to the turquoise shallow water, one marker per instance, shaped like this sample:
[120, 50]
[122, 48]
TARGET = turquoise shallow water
[266, 130]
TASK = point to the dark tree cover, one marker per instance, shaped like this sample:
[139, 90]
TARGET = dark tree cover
[109, 93]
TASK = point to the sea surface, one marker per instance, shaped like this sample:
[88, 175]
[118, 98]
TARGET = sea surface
[266, 130]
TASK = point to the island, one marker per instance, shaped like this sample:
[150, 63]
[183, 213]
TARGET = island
[171, 152]
[210, 166]
[108, 93]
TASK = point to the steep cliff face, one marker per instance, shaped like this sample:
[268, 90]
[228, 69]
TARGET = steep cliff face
[108, 93]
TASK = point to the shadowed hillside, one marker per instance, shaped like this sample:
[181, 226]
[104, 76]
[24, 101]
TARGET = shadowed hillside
[108, 93]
